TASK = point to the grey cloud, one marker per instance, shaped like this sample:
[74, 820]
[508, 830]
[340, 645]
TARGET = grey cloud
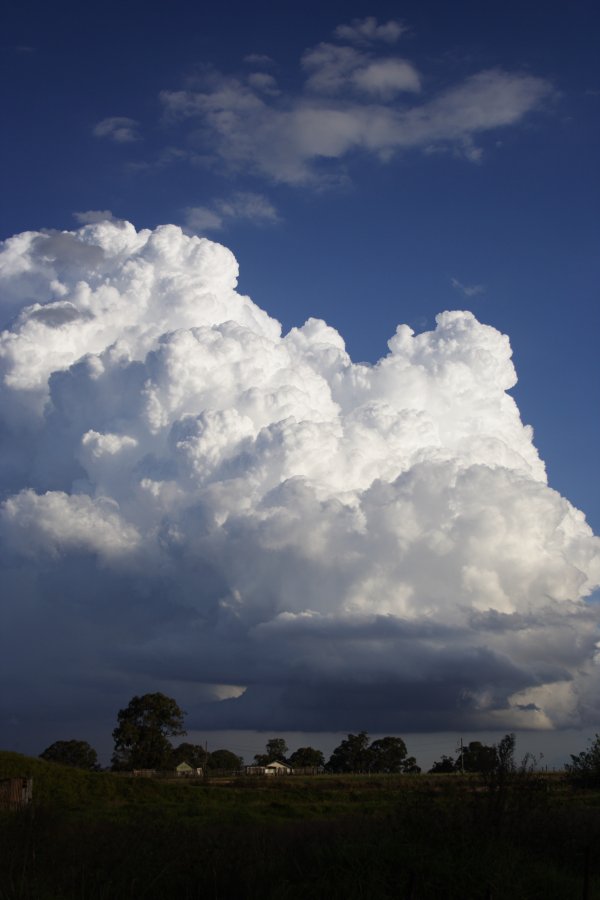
[285, 138]
[367, 30]
[241, 206]
[90, 216]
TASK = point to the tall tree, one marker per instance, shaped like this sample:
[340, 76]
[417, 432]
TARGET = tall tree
[74, 753]
[352, 755]
[141, 736]
[388, 754]
[505, 755]
[478, 757]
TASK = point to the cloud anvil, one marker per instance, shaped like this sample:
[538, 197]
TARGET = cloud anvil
[314, 543]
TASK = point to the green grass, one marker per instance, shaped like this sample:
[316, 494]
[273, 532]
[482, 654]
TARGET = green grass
[99, 836]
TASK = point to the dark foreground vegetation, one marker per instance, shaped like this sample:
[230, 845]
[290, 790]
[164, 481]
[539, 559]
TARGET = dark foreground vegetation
[102, 835]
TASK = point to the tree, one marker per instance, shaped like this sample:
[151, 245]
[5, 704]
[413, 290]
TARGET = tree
[410, 766]
[478, 757]
[194, 754]
[276, 751]
[584, 768]
[224, 759]
[141, 734]
[306, 757]
[388, 754]
[444, 765]
[352, 755]
[505, 755]
[74, 753]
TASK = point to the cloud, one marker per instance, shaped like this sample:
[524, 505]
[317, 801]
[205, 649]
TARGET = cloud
[349, 104]
[91, 216]
[242, 206]
[467, 290]
[264, 83]
[258, 59]
[274, 534]
[119, 129]
[363, 31]
[333, 69]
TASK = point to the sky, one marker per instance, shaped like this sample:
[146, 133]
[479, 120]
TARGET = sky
[299, 398]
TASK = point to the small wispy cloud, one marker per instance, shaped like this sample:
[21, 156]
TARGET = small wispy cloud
[243, 206]
[366, 31]
[120, 129]
[263, 82]
[258, 59]
[468, 290]
[332, 69]
[91, 216]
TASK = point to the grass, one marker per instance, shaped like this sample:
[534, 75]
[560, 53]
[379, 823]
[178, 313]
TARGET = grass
[99, 836]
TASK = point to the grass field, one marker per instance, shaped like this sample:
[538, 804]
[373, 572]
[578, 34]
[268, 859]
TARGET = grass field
[99, 835]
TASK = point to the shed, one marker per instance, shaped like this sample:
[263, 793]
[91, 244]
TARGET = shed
[15, 793]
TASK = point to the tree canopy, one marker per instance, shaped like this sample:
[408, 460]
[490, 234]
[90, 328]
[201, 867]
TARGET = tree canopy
[352, 755]
[224, 759]
[78, 754]
[306, 757]
[194, 754]
[141, 736]
[498, 759]
[276, 750]
[387, 754]
[477, 757]
[443, 766]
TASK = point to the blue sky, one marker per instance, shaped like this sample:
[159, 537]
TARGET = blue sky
[369, 166]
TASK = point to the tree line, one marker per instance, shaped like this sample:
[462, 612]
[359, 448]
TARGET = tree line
[146, 724]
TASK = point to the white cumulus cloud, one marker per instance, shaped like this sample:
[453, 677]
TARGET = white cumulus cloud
[190, 497]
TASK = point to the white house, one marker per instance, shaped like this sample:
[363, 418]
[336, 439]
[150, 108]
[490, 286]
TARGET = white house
[277, 768]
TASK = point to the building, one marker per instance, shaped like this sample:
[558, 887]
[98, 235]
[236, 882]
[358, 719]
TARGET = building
[186, 771]
[274, 768]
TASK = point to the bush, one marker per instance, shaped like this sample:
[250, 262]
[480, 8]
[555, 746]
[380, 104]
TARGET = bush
[584, 769]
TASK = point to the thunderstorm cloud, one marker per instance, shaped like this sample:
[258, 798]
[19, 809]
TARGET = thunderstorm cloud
[191, 499]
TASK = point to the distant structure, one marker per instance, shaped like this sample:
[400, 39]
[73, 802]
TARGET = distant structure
[274, 768]
[16, 793]
[184, 770]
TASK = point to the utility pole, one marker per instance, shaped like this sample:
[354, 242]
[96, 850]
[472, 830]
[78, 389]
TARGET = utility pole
[462, 769]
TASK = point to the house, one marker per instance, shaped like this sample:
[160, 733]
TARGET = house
[274, 768]
[185, 770]
[277, 768]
